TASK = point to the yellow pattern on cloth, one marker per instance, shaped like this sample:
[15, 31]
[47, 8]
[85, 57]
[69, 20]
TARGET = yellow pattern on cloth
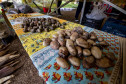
[32, 42]
[14, 16]
[37, 38]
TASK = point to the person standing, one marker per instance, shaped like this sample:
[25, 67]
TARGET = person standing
[59, 2]
[79, 8]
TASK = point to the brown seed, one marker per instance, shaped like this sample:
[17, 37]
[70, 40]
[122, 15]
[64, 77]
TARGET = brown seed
[86, 52]
[100, 39]
[46, 41]
[22, 25]
[33, 30]
[62, 62]
[51, 28]
[53, 21]
[35, 27]
[38, 24]
[29, 28]
[54, 45]
[96, 52]
[74, 60]
[46, 30]
[104, 62]
[90, 59]
[64, 23]
[90, 41]
[53, 25]
[39, 30]
[63, 52]
[62, 27]
[81, 42]
[103, 43]
[86, 64]
[61, 40]
[40, 27]
[79, 51]
[93, 37]
[111, 55]
[32, 24]
[74, 36]
[25, 30]
[71, 47]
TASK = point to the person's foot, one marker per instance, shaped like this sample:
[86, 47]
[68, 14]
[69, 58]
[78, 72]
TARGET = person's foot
[76, 20]
[54, 14]
[59, 15]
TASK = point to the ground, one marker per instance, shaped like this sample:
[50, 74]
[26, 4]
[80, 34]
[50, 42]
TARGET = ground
[28, 73]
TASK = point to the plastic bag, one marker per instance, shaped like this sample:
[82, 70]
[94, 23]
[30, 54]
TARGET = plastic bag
[25, 9]
[13, 11]
[16, 5]
[97, 13]
[22, 7]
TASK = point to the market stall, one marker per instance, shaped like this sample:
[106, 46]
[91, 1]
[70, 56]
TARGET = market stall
[44, 58]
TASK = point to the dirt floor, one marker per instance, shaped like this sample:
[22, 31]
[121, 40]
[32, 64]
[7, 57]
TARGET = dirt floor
[28, 74]
[68, 15]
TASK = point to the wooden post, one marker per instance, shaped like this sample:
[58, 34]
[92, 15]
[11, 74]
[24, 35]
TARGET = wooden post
[82, 12]
[61, 6]
[37, 5]
[50, 7]
[114, 6]
[7, 21]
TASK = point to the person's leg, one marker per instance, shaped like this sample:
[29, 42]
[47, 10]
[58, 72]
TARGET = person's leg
[80, 5]
[121, 15]
[87, 7]
[58, 5]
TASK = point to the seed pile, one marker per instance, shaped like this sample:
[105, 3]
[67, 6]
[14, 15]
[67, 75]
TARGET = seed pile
[76, 45]
[41, 24]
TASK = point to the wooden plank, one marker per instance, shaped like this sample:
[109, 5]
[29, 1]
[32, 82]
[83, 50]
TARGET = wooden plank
[124, 62]
[82, 12]
[61, 6]
[50, 7]
[114, 6]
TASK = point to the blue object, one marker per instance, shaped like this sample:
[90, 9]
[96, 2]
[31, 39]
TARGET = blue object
[115, 27]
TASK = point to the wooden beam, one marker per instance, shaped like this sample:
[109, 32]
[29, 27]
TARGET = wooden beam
[50, 7]
[37, 5]
[61, 6]
[114, 6]
[82, 12]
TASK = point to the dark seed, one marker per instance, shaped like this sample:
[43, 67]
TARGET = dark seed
[64, 23]
[52, 28]
[62, 27]
[46, 30]
[33, 30]
[22, 25]
[25, 30]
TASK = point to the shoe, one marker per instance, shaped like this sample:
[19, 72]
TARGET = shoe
[76, 20]
[59, 15]
[53, 14]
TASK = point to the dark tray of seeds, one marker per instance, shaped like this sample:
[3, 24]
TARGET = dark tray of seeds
[41, 24]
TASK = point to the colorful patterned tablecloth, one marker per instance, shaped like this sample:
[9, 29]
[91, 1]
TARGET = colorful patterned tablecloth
[44, 57]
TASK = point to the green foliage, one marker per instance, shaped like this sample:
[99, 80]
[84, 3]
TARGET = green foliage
[0, 10]
[70, 5]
